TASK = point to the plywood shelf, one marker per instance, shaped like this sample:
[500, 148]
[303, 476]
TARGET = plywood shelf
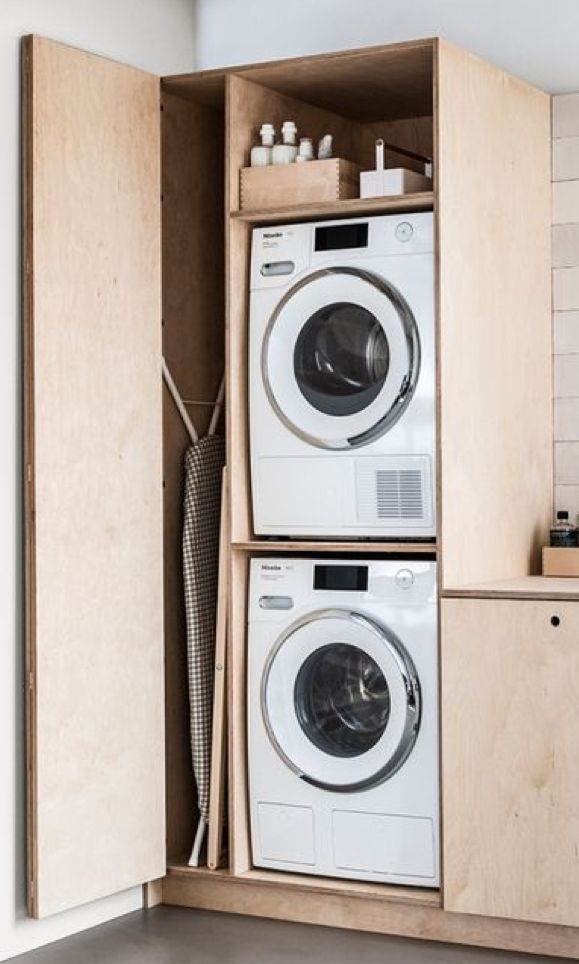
[422, 201]
[360, 548]
[314, 885]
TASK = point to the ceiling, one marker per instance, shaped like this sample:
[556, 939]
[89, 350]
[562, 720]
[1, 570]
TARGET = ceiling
[534, 39]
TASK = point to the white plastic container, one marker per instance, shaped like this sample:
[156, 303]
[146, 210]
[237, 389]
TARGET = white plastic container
[261, 154]
[306, 150]
[286, 152]
[384, 182]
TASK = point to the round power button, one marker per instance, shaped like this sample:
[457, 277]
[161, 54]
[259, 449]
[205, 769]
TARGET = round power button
[404, 231]
[404, 578]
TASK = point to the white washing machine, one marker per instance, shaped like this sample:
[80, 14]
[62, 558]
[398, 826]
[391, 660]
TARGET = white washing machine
[342, 378]
[343, 718]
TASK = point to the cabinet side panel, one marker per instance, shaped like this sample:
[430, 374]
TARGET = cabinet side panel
[509, 757]
[94, 478]
[495, 331]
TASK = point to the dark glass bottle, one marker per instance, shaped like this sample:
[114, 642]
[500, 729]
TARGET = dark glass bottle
[563, 533]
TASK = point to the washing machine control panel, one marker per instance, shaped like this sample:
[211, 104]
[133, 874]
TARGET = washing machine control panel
[279, 586]
[284, 252]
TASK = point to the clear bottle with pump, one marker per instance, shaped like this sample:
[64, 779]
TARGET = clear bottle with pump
[563, 533]
[261, 153]
[286, 152]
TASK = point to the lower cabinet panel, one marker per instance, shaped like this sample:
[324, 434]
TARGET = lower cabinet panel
[379, 910]
[510, 758]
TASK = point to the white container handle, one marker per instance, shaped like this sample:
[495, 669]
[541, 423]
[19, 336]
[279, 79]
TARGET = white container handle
[379, 154]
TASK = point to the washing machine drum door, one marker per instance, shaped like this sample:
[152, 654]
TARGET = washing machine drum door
[341, 700]
[341, 357]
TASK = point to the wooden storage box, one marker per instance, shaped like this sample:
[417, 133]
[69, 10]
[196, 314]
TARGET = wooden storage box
[282, 184]
[560, 561]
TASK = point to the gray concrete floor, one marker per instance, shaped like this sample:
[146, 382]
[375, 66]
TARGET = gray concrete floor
[171, 935]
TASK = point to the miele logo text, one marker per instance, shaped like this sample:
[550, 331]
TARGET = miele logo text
[274, 568]
[273, 234]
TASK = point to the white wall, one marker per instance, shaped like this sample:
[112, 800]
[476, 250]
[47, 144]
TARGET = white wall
[156, 35]
[530, 38]
[566, 300]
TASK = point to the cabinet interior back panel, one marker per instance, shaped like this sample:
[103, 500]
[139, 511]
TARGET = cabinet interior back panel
[93, 476]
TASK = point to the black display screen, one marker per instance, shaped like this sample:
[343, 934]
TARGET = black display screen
[342, 578]
[338, 236]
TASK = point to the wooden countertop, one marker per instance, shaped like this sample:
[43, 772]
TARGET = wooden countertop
[527, 587]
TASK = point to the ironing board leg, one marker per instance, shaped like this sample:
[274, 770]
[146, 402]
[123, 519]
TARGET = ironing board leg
[201, 828]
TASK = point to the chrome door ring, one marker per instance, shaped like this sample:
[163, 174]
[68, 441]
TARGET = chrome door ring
[407, 386]
[411, 685]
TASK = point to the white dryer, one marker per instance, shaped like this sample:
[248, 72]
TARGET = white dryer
[342, 378]
[343, 718]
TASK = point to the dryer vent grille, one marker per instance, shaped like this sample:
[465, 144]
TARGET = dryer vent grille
[394, 494]
[399, 494]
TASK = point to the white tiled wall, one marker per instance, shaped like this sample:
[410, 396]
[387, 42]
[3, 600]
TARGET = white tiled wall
[566, 299]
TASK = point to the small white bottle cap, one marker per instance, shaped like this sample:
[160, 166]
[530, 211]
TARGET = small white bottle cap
[267, 134]
[289, 131]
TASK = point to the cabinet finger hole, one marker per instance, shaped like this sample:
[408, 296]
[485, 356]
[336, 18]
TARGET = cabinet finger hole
[555, 620]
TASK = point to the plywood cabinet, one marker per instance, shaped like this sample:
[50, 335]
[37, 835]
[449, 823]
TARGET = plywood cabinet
[94, 497]
[136, 246]
[494, 298]
[510, 757]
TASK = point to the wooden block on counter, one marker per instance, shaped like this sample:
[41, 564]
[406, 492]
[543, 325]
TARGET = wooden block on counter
[559, 561]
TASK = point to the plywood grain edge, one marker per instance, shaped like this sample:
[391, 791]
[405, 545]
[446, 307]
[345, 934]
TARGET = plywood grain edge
[346, 207]
[353, 548]
[507, 594]
[239, 839]
[152, 894]
[218, 770]
[438, 415]
[27, 53]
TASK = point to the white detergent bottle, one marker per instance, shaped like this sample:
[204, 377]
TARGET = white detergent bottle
[261, 153]
[286, 152]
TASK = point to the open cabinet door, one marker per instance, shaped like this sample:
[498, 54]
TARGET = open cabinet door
[92, 321]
